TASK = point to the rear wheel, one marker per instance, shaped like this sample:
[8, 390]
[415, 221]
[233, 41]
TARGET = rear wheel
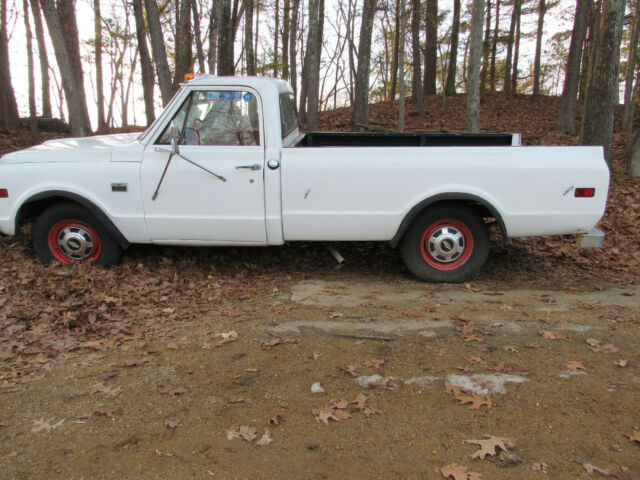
[446, 244]
[68, 233]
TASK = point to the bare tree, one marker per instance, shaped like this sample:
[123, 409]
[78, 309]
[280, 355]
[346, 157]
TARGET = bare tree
[567, 116]
[597, 126]
[213, 36]
[44, 59]
[293, 37]
[183, 53]
[633, 158]
[542, 10]
[9, 119]
[225, 39]
[431, 48]
[450, 87]
[159, 52]
[394, 56]
[146, 68]
[632, 54]
[403, 21]
[494, 47]
[510, 41]
[248, 37]
[475, 57]
[486, 48]
[97, 46]
[64, 37]
[196, 36]
[33, 122]
[311, 69]
[361, 104]
[416, 80]
[516, 49]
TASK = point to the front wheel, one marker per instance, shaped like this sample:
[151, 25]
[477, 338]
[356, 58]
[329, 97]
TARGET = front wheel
[446, 244]
[68, 233]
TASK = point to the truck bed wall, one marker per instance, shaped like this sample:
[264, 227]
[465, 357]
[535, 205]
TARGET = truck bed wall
[352, 139]
[363, 194]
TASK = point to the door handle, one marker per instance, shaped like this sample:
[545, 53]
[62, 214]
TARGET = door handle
[255, 166]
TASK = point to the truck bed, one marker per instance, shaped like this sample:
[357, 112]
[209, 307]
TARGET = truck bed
[391, 139]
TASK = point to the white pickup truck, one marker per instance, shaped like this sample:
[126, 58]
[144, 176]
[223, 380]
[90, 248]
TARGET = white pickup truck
[226, 164]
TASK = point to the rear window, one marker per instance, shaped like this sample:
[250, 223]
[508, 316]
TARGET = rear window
[288, 114]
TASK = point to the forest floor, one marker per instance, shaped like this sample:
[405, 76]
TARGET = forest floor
[176, 363]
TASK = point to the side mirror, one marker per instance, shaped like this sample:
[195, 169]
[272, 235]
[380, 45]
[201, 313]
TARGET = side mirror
[173, 138]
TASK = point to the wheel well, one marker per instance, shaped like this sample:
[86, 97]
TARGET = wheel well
[35, 205]
[484, 209]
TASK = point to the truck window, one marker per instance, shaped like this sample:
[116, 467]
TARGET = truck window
[288, 113]
[218, 117]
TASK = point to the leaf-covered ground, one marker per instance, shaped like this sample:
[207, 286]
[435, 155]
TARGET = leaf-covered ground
[176, 363]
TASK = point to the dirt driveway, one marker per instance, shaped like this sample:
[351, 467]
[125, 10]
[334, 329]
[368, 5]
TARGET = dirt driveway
[177, 364]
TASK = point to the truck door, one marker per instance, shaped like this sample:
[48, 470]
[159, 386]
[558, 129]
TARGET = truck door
[213, 192]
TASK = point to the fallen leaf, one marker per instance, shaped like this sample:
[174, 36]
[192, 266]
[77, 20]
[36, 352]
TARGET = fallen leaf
[510, 349]
[598, 346]
[575, 366]
[541, 467]
[100, 388]
[459, 472]
[339, 404]
[273, 421]
[412, 314]
[553, 334]
[236, 400]
[373, 363]
[325, 414]
[169, 390]
[635, 437]
[172, 424]
[454, 390]
[593, 469]
[46, 426]
[503, 367]
[106, 412]
[336, 315]
[622, 363]
[491, 445]
[427, 334]
[508, 460]
[164, 454]
[476, 401]
[225, 337]
[266, 438]
[360, 401]
[248, 433]
[372, 411]
[351, 370]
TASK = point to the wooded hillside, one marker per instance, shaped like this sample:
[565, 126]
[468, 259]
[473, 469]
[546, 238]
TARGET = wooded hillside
[100, 61]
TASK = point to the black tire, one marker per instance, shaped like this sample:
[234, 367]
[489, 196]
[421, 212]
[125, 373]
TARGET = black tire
[68, 233]
[446, 244]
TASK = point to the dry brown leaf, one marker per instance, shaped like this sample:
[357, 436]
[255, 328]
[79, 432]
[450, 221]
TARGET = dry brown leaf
[225, 337]
[476, 401]
[172, 424]
[325, 414]
[454, 390]
[622, 363]
[169, 390]
[368, 411]
[491, 445]
[427, 334]
[575, 366]
[164, 454]
[459, 472]
[373, 363]
[635, 437]
[106, 412]
[593, 469]
[248, 433]
[236, 400]
[553, 334]
[503, 367]
[273, 421]
[101, 388]
[510, 349]
[599, 346]
[266, 439]
[339, 404]
[412, 314]
[45, 426]
[541, 467]
[336, 315]
[360, 401]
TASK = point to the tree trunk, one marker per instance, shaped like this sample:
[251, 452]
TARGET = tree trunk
[44, 59]
[632, 54]
[33, 122]
[146, 68]
[97, 26]
[248, 37]
[225, 29]
[542, 9]
[593, 44]
[73, 88]
[401, 63]
[394, 59]
[184, 56]
[507, 63]
[416, 77]
[450, 87]
[567, 116]
[213, 36]
[276, 36]
[159, 52]
[494, 47]
[486, 48]
[516, 50]
[361, 104]
[9, 119]
[431, 48]
[285, 39]
[196, 35]
[475, 57]
[597, 126]
[633, 159]
[293, 37]
[311, 71]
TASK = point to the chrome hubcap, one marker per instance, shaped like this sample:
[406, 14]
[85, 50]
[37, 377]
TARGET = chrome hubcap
[446, 244]
[75, 242]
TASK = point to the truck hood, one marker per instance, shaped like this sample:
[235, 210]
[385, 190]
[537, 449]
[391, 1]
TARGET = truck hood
[84, 149]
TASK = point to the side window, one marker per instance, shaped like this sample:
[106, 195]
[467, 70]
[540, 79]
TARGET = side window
[178, 120]
[288, 114]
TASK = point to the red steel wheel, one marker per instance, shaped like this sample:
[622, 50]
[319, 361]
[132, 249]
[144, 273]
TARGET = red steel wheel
[73, 240]
[447, 244]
